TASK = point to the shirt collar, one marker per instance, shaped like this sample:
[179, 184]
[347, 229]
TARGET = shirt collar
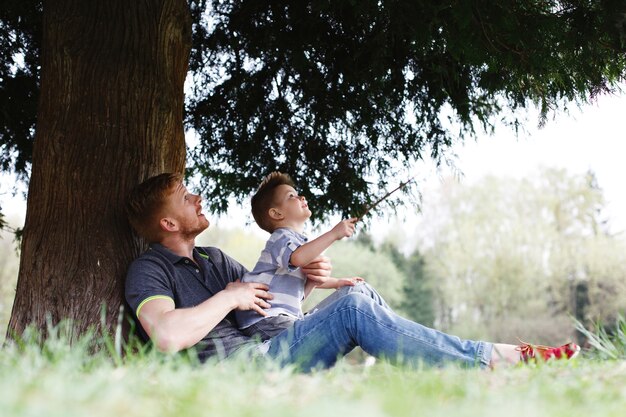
[289, 230]
[168, 254]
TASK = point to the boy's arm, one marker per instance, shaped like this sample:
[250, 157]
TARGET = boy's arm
[311, 250]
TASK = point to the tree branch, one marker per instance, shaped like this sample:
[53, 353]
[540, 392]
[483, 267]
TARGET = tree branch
[383, 198]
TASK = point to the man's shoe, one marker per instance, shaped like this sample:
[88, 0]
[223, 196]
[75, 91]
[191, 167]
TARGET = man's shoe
[529, 351]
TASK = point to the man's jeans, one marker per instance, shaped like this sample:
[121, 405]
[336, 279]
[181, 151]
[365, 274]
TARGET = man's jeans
[358, 316]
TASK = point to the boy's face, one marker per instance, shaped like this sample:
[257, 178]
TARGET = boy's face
[292, 207]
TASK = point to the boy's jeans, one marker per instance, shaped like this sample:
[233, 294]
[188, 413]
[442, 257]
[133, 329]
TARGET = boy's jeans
[358, 316]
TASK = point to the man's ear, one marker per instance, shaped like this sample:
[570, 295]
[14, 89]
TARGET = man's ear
[168, 225]
[275, 214]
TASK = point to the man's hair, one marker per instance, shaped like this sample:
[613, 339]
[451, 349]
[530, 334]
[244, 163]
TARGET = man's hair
[145, 202]
[263, 199]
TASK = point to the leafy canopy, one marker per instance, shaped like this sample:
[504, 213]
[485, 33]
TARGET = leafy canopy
[20, 43]
[335, 92]
[347, 95]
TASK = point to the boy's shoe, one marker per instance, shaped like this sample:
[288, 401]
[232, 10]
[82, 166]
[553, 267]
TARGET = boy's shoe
[529, 351]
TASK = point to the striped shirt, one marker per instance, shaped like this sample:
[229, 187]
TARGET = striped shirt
[286, 281]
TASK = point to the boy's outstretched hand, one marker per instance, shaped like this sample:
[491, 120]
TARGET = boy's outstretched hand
[340, 282]
[344, 228]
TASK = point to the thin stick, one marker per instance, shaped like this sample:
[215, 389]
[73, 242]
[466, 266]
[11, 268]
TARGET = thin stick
[383, 198]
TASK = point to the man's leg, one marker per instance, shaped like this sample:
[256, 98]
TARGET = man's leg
[360, 287]
[354, 318]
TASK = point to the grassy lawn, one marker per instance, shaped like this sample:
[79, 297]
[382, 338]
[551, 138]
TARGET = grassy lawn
[59, 380]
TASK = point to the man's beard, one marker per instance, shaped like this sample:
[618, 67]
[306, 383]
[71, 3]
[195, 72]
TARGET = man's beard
[190, 231]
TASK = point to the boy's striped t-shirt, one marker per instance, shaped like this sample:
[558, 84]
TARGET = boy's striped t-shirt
[286, 281]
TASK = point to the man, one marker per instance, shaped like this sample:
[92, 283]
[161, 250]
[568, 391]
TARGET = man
[185, 296]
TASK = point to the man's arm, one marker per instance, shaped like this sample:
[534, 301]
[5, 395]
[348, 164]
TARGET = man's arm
[173, 329]
[318, 270]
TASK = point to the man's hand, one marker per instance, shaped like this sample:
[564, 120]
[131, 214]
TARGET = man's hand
[318, 270]
[249, 296]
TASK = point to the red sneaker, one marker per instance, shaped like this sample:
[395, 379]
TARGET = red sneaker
[529, 351]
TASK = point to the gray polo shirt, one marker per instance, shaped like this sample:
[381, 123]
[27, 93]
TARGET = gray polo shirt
[160, 273]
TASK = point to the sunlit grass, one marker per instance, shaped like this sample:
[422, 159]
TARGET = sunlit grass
[52, 378]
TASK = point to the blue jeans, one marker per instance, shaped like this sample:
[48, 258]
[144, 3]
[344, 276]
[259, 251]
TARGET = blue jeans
[358, 316]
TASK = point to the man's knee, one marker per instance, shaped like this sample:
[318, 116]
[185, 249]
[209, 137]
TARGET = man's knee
[359, 287]
[355, 299]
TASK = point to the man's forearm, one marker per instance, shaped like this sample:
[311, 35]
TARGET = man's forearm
[181, 328]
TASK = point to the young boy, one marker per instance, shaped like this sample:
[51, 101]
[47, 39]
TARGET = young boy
[277, 209]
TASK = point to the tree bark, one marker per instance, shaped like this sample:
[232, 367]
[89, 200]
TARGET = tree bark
[109, 116]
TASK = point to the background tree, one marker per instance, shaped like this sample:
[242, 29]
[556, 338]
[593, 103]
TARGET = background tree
[338, 93]
[9, 262]
[519, 258]
[417, 293]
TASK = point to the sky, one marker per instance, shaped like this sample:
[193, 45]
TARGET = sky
[590, 138]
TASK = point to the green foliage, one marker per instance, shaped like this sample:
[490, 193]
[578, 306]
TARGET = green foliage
[20, 42]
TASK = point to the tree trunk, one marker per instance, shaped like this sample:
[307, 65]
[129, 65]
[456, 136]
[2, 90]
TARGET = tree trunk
[109, 116]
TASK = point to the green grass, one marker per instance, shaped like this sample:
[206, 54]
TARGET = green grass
[86, 379]
[607, 343]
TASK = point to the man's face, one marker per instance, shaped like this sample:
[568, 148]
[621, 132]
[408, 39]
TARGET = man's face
[292, 206]
[184, 210]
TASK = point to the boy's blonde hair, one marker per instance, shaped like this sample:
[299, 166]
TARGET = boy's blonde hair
[145, 202]
[263, 200]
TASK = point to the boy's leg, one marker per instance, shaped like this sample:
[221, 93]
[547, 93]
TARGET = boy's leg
[357, 319]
